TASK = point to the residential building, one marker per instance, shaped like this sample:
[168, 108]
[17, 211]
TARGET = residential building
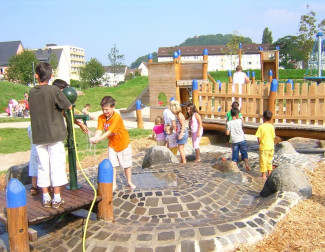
[219, 56]
[56, 57]
[7, 50]
[72, 54]
[144, 68]
[112, 77]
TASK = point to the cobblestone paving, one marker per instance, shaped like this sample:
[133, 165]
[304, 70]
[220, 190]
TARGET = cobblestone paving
[189, 207]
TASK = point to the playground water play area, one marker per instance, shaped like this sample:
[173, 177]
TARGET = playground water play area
[180, 207]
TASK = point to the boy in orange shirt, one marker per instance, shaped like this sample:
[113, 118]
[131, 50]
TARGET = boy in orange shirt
[119, 148]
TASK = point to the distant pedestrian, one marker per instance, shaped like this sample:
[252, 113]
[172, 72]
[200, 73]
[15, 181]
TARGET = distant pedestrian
[265, 135]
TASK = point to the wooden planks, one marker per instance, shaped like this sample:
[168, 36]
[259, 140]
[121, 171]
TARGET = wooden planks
[36, 213]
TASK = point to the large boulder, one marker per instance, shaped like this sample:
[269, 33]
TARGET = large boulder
[158, 155]
[19, 172]
[287, 177]
[284, 148]
[226, 166]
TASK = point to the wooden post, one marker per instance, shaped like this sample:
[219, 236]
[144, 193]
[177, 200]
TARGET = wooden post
[239, 53]
[179, 52]
[292, 84]
[105, 191]
[178, 75]
[262, 63]
[139, 114]
[17, 216]
[253, 77]
[276, 53]
[248, 74]
[270, 76]
[272, 97]
[195, 93]
[229, 76]
[150, 58]
[205, 65]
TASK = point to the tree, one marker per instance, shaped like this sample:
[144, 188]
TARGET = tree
[290, 54]
[233, 47]
[144, 58]
[92, 72]
[307, 32]
[116, 61]
[267, 36]
[21, 67]
[54, 63]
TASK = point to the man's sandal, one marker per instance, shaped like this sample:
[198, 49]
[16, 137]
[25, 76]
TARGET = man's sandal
[33, 190]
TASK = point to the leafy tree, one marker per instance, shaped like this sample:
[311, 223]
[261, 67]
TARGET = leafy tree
[233, 46]
[92, 72]
[21, 67]
[307, 32]
[267, 36]
[212, 39]
[116, 61]
[144, 58]
[290, 53]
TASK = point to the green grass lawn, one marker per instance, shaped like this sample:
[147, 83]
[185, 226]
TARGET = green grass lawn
[16, 140]
[123, 94]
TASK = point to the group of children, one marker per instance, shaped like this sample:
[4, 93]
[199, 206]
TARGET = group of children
[48, 158]
[265, 135]
[170, 129]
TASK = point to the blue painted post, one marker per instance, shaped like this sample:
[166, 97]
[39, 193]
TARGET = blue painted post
[205, 64]
[150, 58]
[195, 93]
[253, 77]
[105, 190]
[248, 74]
[177, 75]
[292, 83]
[239, 53]
[272, 97]
[270, 76]
[17, 216]
[179, 52]
[139, 114]
[229, 76]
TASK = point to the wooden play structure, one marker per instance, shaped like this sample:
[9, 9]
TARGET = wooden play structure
[269, 62]
[298, 109]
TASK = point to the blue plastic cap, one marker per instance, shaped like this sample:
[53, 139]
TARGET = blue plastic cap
[150, 56]
[260, 48]
[175, 55]
[277, 48]
[229, 73]
[105, 172]
[172, 99]
[274, 85]
[15, 194]
[253, 74]
[240, 46]
[319, 34]
[179, 52]
[248, 74]
[289, 81]
[205, 52]
[138, 105]
[195, 85]
[270, 73]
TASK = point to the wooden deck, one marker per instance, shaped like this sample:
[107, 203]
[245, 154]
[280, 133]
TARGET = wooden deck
[36, 213]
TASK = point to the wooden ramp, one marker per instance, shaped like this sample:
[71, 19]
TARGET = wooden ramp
[36, 213]
[143, 97]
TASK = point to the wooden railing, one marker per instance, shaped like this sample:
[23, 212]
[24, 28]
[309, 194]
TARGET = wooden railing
[302, 105]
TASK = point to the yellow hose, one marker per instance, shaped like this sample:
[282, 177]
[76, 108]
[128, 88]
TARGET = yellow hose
[91, 185]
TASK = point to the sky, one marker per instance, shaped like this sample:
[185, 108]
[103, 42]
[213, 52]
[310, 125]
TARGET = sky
[140, 27]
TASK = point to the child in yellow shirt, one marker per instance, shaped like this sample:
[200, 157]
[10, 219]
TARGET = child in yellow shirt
[265, 135]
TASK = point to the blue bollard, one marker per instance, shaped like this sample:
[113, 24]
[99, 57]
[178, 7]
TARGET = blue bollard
[105, 190]
[17, 216]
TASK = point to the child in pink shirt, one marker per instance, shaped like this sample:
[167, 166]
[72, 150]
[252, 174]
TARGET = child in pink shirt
[158, 131]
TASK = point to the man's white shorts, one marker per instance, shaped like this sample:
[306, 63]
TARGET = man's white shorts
[52, 165]
[122, 158]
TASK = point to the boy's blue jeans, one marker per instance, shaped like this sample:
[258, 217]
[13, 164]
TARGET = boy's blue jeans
[239, 147]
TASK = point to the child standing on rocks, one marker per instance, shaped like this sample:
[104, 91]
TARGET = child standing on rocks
[119, 147]
[234, 128]
[265, 135]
